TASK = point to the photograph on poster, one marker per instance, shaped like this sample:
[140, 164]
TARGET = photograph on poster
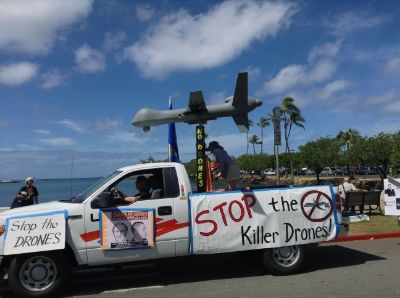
[127, 228]
[392, 191]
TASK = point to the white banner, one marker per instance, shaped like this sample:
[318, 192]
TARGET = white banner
[392, 196]
[234, 221]
[35, 232]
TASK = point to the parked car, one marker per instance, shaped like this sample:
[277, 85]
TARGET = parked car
[340, 171]
[309, 172]
[269, 172]
[327, 171]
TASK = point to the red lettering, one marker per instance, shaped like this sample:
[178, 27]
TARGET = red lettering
[220, 207]
[210, 221]
[249, 204]
[241, 211]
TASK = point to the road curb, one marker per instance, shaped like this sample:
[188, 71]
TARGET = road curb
[367, 236]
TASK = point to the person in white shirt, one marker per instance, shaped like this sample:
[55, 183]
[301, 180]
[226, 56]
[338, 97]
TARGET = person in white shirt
[345, 188]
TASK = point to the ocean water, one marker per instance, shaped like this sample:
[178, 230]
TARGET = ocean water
[49, 189]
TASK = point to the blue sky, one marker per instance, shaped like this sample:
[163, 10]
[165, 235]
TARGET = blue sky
[74, 73]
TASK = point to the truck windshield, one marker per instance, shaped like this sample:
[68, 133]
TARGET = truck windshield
[88, 192]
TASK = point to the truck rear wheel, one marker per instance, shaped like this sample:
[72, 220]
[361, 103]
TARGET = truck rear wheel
[38, 275]
[285, 260]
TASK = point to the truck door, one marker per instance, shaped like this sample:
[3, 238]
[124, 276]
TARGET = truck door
[162, 198]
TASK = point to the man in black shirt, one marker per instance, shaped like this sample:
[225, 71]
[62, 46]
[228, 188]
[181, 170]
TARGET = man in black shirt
[27, 195]
[143, 186]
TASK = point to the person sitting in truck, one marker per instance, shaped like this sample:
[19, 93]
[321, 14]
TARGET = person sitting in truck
[229, 171]
[142, 185]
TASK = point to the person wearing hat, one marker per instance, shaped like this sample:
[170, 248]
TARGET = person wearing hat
[27, 195]
[228, 169]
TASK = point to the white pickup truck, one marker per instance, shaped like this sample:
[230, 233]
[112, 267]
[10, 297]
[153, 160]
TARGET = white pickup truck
[279, 223]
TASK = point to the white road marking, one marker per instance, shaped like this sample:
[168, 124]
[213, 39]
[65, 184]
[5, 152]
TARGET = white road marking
[132, 289]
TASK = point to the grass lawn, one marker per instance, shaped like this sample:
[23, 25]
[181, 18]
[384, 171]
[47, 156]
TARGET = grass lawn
[376, 224]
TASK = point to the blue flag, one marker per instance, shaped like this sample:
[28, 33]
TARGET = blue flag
[172, 143]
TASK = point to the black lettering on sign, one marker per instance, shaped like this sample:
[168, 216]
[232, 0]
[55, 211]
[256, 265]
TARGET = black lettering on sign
[200, 154]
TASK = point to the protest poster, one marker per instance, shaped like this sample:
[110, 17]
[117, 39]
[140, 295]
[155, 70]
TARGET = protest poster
[126, 228]
[28, 233]
[392, 196]
[235, 221]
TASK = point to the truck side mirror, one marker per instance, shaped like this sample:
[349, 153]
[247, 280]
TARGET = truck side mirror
[104, 200]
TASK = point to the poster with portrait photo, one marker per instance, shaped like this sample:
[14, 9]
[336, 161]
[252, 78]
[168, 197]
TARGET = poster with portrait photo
[392, 196]
[126, 228]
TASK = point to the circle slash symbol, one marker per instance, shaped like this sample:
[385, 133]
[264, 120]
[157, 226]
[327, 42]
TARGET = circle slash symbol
[316, 206]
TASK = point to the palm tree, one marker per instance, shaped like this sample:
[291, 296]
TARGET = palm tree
[263, 123]
[346, 138]
[295, 119]
[250, 122]
[290, 115]
[254, 140]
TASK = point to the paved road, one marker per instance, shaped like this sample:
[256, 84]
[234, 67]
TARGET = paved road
[351, 269]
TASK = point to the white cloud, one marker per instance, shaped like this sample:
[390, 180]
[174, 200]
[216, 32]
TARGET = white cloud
[127, 137]
[52, 79]
[42, 131]
[33, 26]
[326, 50]
[107, 124]
[70, 124]
[113, 40]
[320, 67]
[182, 42]
[388, 99]
[350, 22]
[89, 60]
[216, 98]
[253, 72]
[287, 78]
[58, 141]
[144, 12]
[321, 71]
[15, 74]
[333, 87]
[393, 66]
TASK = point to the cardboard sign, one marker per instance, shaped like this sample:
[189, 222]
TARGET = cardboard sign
[125, 228]
[392, 196]
[35, 232]
[234, 221]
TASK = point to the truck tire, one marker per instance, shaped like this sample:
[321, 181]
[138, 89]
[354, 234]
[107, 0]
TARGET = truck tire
[41, 274]
[284, 260]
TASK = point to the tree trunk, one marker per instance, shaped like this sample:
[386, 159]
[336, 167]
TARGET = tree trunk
[247, 141]
[262, 140]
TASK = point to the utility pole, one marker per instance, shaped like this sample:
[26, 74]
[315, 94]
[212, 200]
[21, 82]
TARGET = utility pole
[277, 143]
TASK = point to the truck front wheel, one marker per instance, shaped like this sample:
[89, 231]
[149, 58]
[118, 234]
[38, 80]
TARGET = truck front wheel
[284, 260]
[38, 275]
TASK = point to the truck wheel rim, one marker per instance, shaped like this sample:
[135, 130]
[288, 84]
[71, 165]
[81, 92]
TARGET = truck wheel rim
[38, 273]
[286, 256]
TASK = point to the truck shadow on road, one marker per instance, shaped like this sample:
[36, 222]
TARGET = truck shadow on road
[205, 268]
[196, 269]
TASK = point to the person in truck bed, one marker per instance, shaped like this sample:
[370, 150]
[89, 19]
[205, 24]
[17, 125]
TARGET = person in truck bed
[228, 169]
